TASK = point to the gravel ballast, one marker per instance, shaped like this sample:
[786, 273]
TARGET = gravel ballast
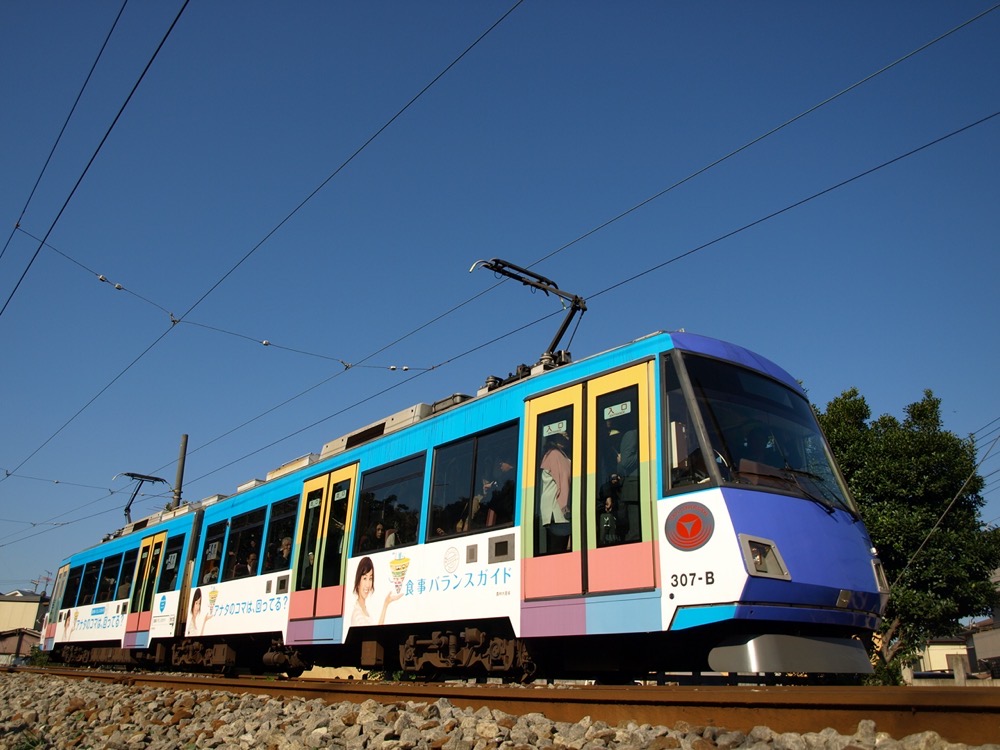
[37, 711]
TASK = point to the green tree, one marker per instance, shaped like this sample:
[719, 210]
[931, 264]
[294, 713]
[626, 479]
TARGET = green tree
[919, 494]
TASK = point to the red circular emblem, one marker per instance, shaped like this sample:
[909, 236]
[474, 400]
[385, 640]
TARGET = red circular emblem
[689, 526]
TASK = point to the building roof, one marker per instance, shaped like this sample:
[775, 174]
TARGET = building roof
[19, 595]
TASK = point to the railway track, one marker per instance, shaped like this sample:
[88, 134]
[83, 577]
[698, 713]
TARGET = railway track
[969, 715]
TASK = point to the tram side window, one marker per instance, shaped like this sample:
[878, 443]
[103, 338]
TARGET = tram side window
[618, 512]
[128, 573]
[389, 509]
[73, 586]
[554, 484]
[280, 531]
[474, 483]
[170, 576]
[212, 553]
[109, 578]
[243, 546]
[88, 586]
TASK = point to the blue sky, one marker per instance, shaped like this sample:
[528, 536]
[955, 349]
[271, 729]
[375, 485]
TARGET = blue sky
[560, 119]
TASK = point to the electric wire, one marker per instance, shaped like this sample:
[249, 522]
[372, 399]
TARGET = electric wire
[265, 342]
[62, 130]
[769, 133]
[799, 203]
[648, 200]
[556, 251]
[991, 422]
[382, 392]
[52, 526]
[271, 344]
[99, 276]
[543, 258]
[350, 158]
[93, 157]
[255, 247]
[595, 295]
[944, 513]
[698, 172]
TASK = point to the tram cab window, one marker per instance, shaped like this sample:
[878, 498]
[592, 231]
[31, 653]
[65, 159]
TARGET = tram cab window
[684, 460]
[474, 483]
[760, 433]
[389, 507]
[243, 545]
[280, 533]
[172, 565]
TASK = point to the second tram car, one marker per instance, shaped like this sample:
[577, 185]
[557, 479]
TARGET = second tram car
[667, 505]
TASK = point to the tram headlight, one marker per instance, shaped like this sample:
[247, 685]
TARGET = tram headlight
[762, 558]
[880, 578]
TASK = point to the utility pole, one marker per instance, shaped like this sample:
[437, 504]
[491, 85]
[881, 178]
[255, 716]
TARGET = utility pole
[179, 481]
[45, 580]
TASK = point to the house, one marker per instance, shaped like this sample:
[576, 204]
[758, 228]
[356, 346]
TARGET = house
[21, 616]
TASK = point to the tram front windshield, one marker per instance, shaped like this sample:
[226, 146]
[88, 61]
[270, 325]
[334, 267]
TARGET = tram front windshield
[761, 434]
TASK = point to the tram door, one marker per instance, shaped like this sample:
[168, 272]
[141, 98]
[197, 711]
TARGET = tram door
[588, 501]
[621, 552]
[323, 525]
[553, 564]
[147, 566]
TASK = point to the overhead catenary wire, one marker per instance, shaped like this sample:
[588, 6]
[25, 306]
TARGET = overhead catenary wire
[174, 321]
[242, 260]
[645, 201]
[988, 424]
[69, 115]
[711, 165]
[93, 156]
[944, 513]
[767, 134]
[593, 295]
[560, 249]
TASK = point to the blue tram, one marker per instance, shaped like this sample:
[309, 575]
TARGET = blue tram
[670, 504]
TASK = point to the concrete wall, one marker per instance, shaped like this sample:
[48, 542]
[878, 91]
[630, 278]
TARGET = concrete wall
[21, 612]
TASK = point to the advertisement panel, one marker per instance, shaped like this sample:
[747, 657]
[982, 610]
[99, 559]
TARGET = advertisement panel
[451, 579]
[92, 622]
[246, 605]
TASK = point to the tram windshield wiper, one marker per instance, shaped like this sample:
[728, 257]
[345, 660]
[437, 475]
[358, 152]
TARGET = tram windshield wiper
[760, 473]
[814, 479]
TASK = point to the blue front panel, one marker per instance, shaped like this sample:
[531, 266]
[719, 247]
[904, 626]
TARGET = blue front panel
[732, 353]
[824, 552]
